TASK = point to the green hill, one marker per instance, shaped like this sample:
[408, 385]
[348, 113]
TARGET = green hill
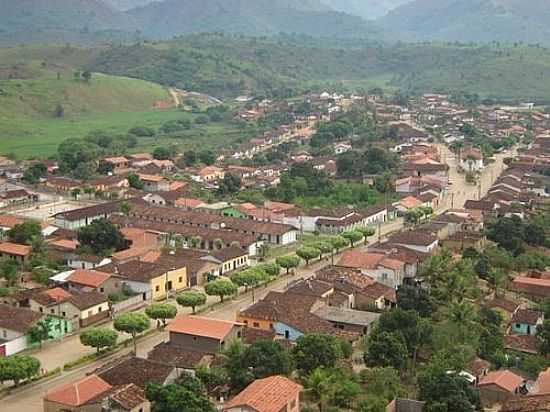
[42, 104]
[471, 20]
[228, 66]
[253, 17]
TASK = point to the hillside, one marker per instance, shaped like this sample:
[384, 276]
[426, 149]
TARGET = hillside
[368, 9]
[35, 83]
[61, 15]
[471, 21]
[253, 17]
[227, 66]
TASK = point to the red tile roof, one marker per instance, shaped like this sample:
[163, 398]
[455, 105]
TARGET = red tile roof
[80, 392]
[14, 249]
[90, 278]
[200, 326]
[504, 379]
[266, 395]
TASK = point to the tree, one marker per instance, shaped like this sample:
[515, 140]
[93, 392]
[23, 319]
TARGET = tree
[191, 299]
[99, 338]
[543, 333]
[288, 262]
[9, 270]
[87, 76]
[366, 232]
[316, 351]
[352, 237]
[77, 158]
[161, 311]
[18, 368]
[307, 253]
[417, 299]
[75, 193]
[135, 182]
[323, 246]
[230, 183]
[266, 358]
[142, 131]
[272, 269]
[161, 153]
[190, 157]
[23, 233]
[338, 242]
[221, 287]
[34, 173]
[132, 323]
[319, 384]
[188, 395]
[59, 111]
[102, 237]
[39, 332]
[234, 363]
[207, 157]
[444, 391]
[386, 350]
[383, 382]
[496, 278]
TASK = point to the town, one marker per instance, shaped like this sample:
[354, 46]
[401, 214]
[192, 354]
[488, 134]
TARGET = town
[364, 252]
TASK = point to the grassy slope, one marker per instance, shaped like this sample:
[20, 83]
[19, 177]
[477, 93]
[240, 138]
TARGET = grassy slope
[27, 104]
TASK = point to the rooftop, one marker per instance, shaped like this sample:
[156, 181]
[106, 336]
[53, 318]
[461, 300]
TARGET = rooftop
[80, 392]
[201, 326]
[504, 379]
[17, 319]
[266, 395]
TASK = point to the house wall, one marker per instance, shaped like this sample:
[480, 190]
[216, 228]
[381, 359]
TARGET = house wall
[13, 346]
[201, 343]
[286, 331]
[491, 394]
[49, 406]
[64, 309]
[524, 329]
[178, 278]
[288, 238]
[363, 302]
[236, 263]
[17, 258]
[255, 323]
[8, 334]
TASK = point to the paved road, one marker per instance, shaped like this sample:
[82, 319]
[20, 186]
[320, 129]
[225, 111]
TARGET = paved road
[57, 353]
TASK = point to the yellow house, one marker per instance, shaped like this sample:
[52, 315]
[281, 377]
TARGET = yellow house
[151, 280]
[171, 280]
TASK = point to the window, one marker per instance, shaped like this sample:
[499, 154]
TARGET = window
[99, 309]
[102, 290]
[90, 313]
[41, 309]
[256, 324]
[64, 314]
[180, 280]
[4, 333]
[52, 310]
[157, 288]
[518, 325]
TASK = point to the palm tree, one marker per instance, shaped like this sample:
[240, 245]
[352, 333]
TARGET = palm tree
[318, 385]
[496, 279]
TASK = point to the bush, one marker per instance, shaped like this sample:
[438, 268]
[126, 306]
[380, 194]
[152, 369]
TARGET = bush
[142, 131]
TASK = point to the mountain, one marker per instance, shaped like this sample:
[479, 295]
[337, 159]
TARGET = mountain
[125, 5]
[253, 17]
[471, 20]
[368, 9]
[61, 15]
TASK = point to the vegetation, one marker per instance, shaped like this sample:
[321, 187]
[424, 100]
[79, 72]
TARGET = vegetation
[191, 299]
[187, 394]
[101, 237]
[18, 368]
[25, 232]
[161, 312]
[221, 287]
[99, 338]
[132, 323]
